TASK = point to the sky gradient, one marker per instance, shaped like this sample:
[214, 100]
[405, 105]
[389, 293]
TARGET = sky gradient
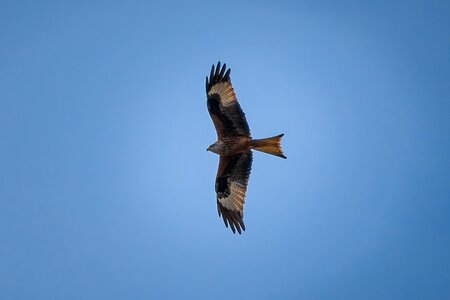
[107, 192]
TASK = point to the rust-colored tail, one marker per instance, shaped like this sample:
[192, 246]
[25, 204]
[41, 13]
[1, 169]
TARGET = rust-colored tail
[270, 145]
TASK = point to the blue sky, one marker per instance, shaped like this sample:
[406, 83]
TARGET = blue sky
[107, 192]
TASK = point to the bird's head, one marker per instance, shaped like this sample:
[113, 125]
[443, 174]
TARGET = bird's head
[214, 148]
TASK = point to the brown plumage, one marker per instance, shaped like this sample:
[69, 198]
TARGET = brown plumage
[234, 145]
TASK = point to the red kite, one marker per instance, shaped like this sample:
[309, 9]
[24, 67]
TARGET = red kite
[234, 145]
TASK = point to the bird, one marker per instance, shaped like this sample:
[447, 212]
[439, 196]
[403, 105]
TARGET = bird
[234, 146]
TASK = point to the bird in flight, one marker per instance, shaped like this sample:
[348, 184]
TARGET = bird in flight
[234, 146]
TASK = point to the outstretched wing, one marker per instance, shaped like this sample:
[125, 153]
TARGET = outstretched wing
[231, 185]
[223, 107]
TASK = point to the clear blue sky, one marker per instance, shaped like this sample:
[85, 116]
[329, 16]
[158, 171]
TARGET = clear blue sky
[107, 192]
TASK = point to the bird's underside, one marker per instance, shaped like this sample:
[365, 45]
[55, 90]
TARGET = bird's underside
[234, 146]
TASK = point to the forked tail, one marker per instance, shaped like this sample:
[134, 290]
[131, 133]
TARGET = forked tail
[270, 145]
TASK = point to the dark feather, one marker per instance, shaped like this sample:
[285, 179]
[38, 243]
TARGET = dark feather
[228, 166]
[223, 70]
[226, 77]
[217, 70]
[211, 77]
[226, 124]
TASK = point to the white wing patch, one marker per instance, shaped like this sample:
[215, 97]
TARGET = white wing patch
[225, 91]
[235, 201]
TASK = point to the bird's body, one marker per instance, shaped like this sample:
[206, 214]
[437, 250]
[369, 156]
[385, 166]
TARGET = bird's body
[234, 146]
[230, 145]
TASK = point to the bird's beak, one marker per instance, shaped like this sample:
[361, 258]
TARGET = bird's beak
[207, 149]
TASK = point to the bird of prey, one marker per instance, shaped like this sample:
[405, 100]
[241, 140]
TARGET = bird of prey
[234, 146]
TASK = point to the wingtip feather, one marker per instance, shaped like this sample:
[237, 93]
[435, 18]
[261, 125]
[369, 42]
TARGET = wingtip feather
[211, 74]
[216, 74]
[222, 71]
[226, 77]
